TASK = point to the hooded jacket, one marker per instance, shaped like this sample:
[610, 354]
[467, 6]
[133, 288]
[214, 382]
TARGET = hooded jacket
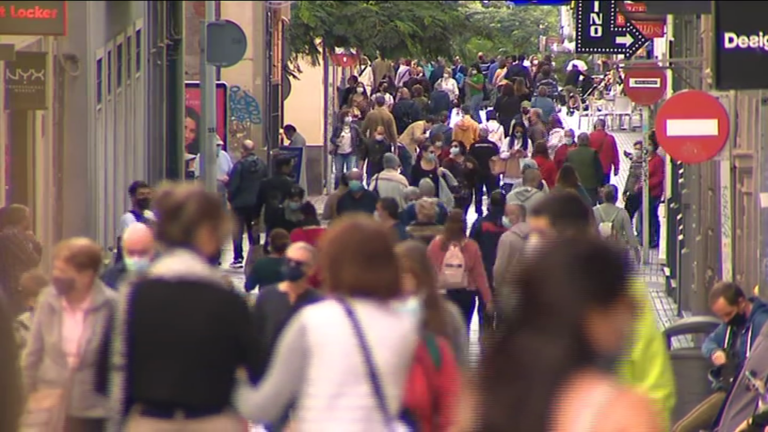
[511, 245]
[525, 195]
[466, 130]
[744, 338]
[245, 182]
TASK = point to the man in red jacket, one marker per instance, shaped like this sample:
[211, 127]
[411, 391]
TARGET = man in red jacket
[605, 146]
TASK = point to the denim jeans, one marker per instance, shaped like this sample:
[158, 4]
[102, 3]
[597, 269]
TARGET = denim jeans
[654, 222]
[475, 103]
[246, 222]
[345, 162]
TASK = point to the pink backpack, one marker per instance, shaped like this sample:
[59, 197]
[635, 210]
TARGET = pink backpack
[453, 271]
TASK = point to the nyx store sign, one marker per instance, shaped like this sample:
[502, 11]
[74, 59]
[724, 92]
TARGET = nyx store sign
[741, 45]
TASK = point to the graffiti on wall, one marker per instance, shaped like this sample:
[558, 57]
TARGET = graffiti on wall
[244, 112]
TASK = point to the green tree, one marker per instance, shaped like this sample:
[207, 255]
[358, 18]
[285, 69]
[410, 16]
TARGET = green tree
[508, 29]
[419, 29]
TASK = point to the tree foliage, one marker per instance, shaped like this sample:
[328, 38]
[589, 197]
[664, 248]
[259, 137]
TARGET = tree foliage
[419, 29]
[509, 29]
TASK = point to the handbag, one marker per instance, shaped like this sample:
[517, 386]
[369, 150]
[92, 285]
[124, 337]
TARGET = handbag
[401, 424]
[46, 409]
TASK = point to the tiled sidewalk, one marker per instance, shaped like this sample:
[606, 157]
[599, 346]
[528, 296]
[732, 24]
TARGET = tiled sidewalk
[651, 273]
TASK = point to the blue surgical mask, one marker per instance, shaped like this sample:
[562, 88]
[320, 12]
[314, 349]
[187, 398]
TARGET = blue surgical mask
[518, 134]
[355, 185]
[429, 157]
[455, 151]
[568, 140]
[293, 271]
[137, 265]
[506, 222]
[293, 205]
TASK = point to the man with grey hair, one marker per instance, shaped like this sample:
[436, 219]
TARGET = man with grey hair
[389, 182]
[411, 194]
[537, 131]
[242, 193]
[586, 161]
[426, 189]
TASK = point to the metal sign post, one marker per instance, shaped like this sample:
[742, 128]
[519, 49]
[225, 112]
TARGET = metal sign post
[646, 206]
[207, 105]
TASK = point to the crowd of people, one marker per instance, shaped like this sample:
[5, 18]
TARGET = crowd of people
[361, 321]
[361, 325]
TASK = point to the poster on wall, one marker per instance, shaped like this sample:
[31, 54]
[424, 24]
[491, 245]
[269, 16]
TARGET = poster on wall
[192, 130]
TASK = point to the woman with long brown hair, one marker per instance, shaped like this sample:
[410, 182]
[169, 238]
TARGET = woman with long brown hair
[433, 385]
[459, 264]
[440, 316]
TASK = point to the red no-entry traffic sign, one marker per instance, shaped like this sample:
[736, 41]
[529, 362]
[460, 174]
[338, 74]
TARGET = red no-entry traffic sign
[692, 126]
[645, 85]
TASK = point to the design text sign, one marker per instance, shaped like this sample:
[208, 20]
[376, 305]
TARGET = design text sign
[34, 18]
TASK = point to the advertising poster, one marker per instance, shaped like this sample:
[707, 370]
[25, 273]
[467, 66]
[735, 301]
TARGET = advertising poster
[192, 130]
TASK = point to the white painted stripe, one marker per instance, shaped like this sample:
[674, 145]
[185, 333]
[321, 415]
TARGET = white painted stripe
[645, 82]
[693, 128]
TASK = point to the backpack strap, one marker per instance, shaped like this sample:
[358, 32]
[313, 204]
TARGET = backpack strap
[430, 341]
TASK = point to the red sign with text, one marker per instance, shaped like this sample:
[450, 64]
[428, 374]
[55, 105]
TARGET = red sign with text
[650, 29]
[33, 18]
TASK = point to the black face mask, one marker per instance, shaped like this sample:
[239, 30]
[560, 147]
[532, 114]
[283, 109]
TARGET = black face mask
[143, 203]
[738, 320]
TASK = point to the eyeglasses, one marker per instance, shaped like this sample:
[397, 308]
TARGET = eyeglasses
[295, 263]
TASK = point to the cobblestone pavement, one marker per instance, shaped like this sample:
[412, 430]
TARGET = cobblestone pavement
[650, 273]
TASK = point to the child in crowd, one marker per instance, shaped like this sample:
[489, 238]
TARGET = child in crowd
[30, 286]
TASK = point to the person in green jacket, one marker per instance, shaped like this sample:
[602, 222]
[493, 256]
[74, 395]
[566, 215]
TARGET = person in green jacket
[646, 365]
[586, 162]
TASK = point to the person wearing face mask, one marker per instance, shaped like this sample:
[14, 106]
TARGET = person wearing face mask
[727, 347]
[277, 303]
[633, 196]
[464, 169]
[273, 194]
[448, 85]
[359, 102]
[373, 150]
[62, 350]
[177, 367]
[140, 194]
[561, 153]
[139, 250]
[434, 383]
[346, 143]
[357, 199]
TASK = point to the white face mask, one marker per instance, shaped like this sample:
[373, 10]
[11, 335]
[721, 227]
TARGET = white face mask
[359, 89]
[412, 306]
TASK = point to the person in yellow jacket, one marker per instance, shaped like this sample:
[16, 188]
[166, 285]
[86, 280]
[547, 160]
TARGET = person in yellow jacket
[646, 366]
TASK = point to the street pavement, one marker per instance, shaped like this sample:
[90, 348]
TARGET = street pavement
[650, 273]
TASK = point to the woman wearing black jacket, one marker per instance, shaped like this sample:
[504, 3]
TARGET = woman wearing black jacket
[507, 106]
